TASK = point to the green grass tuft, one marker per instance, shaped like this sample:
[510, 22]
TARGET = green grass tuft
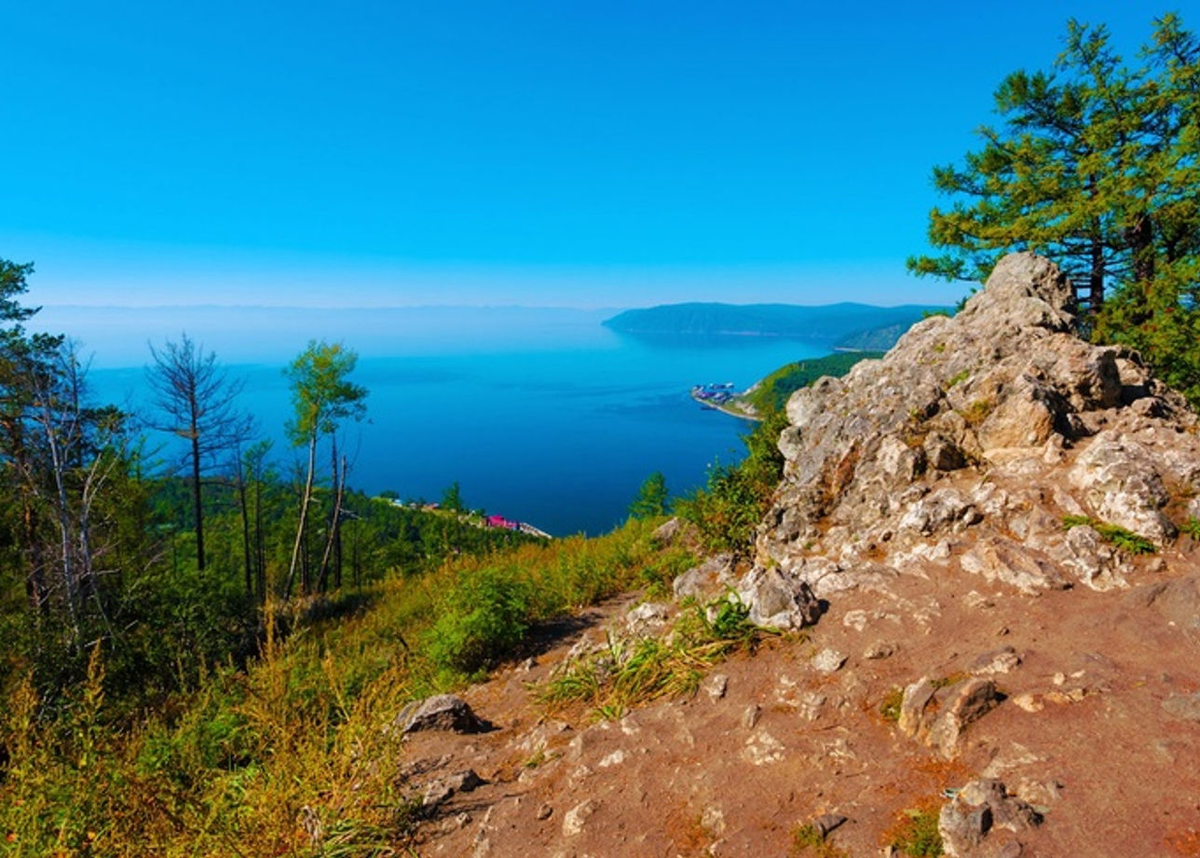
[1113, 534]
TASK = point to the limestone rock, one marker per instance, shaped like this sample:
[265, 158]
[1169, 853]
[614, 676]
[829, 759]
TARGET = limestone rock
[576, 818]
[1120, 481]
[1001, 559]
[828, 660]
[937, 716]
[710, 577]
[878, 464]
[647, 619]
[976, 811]
[777, 600]
[441, 789]
[440, 712]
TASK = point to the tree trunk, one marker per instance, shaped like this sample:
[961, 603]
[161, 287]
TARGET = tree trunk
[300, 526]
[198, 518]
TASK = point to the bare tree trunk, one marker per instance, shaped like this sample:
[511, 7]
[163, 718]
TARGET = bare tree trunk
[300, 527]
[246, 564]
[198, 515]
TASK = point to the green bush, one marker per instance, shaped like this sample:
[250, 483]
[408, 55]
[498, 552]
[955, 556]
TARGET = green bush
[483, 622]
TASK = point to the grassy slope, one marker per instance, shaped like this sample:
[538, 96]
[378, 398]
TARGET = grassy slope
[247, 763]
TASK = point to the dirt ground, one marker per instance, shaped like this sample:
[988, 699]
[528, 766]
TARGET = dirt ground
[1081, 733]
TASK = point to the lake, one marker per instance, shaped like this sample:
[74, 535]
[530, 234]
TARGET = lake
[558, 428]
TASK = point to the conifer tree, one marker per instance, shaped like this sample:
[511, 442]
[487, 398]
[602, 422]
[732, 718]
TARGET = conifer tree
[1095, 164]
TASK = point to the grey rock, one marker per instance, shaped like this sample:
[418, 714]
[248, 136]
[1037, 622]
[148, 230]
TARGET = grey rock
[1006, 387]
[828, 660]
[827, 823]
[1003, 660]
[976, 811]
[1096, 563]
[1120, 481]
[777, 600]
[441, 789]
[440, 712]
[668, 532]
[938, 716]
[703, 581]
[576, 818]
[880, 650]
[1006, 561]
[647, 619]
[963, 704]
[717, 685]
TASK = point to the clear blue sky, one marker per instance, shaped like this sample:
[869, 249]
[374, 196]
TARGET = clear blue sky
[541, 153]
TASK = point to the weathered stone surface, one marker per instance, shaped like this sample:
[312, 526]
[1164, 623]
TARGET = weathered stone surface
[705, 580]
[979, 808]
[647, 619]
[828, 660]
[576, 818]
[913, 707]
[441, 712]
[441, 789]
[1003, 660]
[875, 461]
[964, 704]
[938, 716]
[1119, 480]
[1096, 563]
[667, 532]
[1006, 561]
[777, 600]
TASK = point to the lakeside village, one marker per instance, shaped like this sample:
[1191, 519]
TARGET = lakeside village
[478, 519]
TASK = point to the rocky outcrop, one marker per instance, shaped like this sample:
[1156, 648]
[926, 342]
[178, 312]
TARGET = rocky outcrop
[440, 712]
[970, 441]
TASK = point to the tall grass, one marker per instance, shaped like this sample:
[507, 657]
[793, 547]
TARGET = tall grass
[292, 755]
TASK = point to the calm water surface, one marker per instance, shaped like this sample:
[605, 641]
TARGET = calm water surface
[558, 431]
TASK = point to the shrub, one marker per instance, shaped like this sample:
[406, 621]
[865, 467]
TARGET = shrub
[483, 622]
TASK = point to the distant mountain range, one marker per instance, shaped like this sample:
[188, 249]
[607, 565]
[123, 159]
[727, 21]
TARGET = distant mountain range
[844, 325]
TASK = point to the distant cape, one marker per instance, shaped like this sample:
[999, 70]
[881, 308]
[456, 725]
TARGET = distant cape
[844, 325]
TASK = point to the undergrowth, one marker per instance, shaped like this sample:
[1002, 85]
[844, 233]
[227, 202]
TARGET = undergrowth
[295, 754]
[808, 840]
[627, 673]
[916, 834]
[1115, 535]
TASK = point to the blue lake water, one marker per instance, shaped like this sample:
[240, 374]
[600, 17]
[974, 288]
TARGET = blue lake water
[558, 430]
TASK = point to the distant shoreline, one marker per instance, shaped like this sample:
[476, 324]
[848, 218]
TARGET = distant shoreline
[725, 409]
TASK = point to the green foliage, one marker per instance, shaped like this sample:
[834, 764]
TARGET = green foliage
[889, 707]
[652, 498]
[481, 622]
[917, 834]
[452, 498]
[807, 840]
[771, 394]
[1094, 165]
[629, 673]
[1113, 534]
[735, 498]
[1191, 527]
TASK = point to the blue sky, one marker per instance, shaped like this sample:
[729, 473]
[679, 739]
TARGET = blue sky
[540, 153]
